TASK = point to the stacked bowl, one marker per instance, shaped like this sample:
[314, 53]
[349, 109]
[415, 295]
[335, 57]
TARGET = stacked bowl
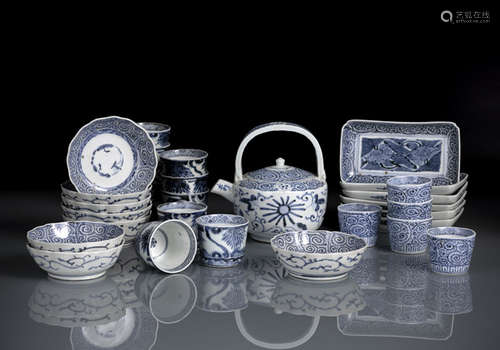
[409, 207]
[75, 250]
[127, 211]
[183, 175]
[159, 134]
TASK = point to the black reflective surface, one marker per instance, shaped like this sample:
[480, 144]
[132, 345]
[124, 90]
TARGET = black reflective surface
[389, 300]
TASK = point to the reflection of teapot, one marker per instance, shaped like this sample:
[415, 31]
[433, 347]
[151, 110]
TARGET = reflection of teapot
[169, 298]
[280, 197]
[76, 303]
[317, 299]
[448, 294]
[136, 330]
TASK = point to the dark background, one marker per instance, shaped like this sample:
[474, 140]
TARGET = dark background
[212, 82]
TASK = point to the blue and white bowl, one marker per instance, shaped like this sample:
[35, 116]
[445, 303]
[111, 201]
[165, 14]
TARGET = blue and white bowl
[196, 198]
[83, 215]
[106, 208]
[75, 236]
[68, 192]
[409, 189]
[222, 239]
[410, 211]
[170, 245]
[184, 186]
[75, 266]
[361, 220]
[184, 163]
[182, 210]
[158, 132]
[408, 236]
[318, 255]
[450, 249]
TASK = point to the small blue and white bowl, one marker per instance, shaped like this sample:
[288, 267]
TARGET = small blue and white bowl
[182, 210]
[222, 239]
[450, 249]
[410, 211]
[84, 215]
[361, 220]
[408, 236]
[170, 245]
[75, 236]
[318, 255]
[105, 209]
[184, 163]
[68, 192]
[184, 186]
[158, 132]
[409, 189]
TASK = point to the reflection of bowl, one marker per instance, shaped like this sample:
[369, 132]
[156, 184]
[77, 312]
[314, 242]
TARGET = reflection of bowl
[136, 330]
[317, 299]
[222, 290]
[448, 294]
[76, 304]
[170, 298]
[124, 273]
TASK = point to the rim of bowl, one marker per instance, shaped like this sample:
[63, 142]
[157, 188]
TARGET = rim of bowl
[74, 221]
[406, 220]
[171, 153]
[190, 232]
[65, 188]
[404, 203]
[392, 179]
[435, 232]
[233, 216]
[344, 208]
[171, 178]
[364, 247]
[92, 252]
[163, 125]
[198, 207]
[146, 209]
[148, 198]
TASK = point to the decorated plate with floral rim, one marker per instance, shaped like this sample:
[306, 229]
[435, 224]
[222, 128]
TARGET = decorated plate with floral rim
[111, 155]
[373, 151]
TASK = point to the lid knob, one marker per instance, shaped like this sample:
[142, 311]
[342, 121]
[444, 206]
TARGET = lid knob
[280, 162]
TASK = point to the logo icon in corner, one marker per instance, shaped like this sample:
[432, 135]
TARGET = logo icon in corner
[447, 16]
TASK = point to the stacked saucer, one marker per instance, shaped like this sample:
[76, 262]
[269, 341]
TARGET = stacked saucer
[111, 164]
[183, 175]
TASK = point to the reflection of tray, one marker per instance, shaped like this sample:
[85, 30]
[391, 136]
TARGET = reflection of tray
[373, 151]
[436, 327]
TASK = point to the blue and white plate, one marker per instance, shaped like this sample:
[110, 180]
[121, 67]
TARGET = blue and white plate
[111, 155]
[373, 151]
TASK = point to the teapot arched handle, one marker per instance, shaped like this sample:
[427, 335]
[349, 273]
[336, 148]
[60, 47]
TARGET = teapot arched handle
[279, 126]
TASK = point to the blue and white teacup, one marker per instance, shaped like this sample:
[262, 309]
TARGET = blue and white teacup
[182, 210]
[410, 211]
[361, 220]
[158, 132]
[184, 163]
[185, 186]
[170, 245]
[450, 249]
[409, 189]
[196, 197]
[222, 239]
[408, 236]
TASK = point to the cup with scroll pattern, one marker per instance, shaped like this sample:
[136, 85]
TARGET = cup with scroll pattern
[361, 220]
[408, 236]
[410, 211]
[450, 249]
[409, 189]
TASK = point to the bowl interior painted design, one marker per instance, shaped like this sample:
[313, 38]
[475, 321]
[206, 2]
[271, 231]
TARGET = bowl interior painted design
[359, 208]
[183, 154]
[451, 233]
[221, 220]
[74, 232]
[408, 180]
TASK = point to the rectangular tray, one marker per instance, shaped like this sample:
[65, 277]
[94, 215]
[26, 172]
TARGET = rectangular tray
[374, 151]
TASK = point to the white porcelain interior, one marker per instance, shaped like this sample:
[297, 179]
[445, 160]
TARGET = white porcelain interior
[451, 233]
[184, 154]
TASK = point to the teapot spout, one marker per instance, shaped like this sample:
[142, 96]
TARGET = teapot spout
[225, 189]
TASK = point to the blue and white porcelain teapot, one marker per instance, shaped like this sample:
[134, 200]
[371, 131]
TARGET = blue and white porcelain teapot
[278, 198]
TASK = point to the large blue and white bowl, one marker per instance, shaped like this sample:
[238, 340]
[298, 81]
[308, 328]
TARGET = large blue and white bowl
[81, 215]
[75, 266]
[450, 249]
[75, 236]
[318, 254]
[106, 209]
[68, 192]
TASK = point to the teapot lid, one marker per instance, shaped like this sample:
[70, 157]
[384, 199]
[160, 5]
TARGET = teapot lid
[281, 177]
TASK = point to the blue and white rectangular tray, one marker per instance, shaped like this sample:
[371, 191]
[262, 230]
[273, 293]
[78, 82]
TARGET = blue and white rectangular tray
[373, 151]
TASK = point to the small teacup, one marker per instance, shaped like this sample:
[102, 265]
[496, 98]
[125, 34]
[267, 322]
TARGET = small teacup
[170, 245]
[409, 189]
[408, 236]
[182, 210]
[158, 132]
[450, 249]
[184, 163]
[410, 211]
[222, 239]
[361, 220]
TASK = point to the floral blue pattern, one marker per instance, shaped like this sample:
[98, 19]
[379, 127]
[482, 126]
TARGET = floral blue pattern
[450, 249]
